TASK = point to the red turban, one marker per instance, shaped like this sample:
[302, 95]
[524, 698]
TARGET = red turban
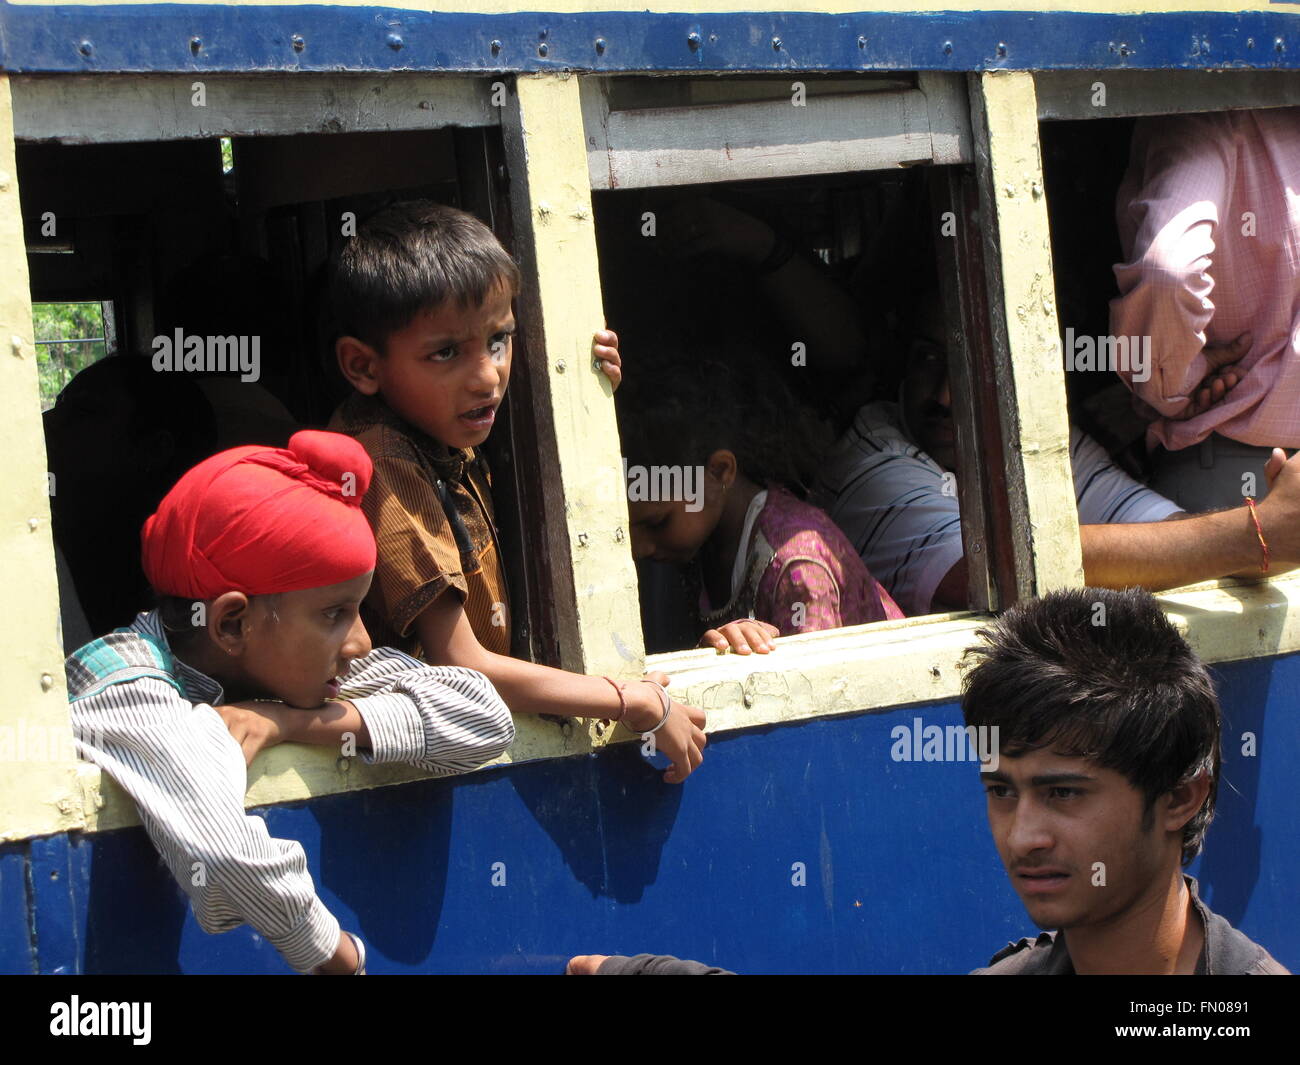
[262, 520]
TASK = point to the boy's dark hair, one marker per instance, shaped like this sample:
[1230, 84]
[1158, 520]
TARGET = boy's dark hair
[180, 619]
[412, 257]
[1103, 675]
[681, 411]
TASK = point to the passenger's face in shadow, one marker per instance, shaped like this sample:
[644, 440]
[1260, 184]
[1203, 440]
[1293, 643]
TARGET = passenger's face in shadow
[675, 529]
[96, 451]
[927, 401]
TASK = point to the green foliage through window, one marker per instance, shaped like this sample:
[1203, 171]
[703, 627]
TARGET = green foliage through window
[69, 337]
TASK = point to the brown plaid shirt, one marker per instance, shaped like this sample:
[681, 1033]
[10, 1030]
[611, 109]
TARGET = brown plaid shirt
[431, 510]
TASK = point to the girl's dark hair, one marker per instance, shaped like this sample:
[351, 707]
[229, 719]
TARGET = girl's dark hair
[1103, 675]
[684, 408]
[411, 257]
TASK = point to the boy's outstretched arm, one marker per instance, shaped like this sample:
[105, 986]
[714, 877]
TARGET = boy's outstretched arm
[393, 708]
[448, 639]
[178, 762]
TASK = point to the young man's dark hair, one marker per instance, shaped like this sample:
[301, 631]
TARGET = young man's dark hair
[409, 258]
[1106, 727]
[1102, 675]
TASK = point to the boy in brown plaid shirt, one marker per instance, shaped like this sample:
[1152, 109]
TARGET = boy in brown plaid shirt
[423, 300]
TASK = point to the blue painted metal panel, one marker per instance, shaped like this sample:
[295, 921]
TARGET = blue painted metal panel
[58, 871]
[186, 38]
[599, 856]
[15, 928]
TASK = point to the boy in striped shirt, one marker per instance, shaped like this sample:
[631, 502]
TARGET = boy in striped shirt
[260, 558]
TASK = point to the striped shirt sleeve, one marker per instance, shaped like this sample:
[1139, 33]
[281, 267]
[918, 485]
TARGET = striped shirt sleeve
[187, 776]
[443, 719]
[902, 516]
[1106, 494]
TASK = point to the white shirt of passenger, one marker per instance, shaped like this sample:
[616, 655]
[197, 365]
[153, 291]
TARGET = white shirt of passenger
[900, 512]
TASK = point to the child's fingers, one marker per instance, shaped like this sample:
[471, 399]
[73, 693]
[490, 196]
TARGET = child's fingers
[714, 638]
[754, 637]
[613, 372]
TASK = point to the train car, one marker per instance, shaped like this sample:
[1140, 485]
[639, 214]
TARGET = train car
[141, 143]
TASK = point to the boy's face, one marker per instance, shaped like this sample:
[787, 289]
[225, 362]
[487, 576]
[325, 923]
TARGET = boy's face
[1074, 839]
[446, 372]
[298, 654]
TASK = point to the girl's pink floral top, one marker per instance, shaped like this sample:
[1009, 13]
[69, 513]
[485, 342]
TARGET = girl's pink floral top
[802, 574]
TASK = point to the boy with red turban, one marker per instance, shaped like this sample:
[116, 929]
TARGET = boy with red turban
[260, 558]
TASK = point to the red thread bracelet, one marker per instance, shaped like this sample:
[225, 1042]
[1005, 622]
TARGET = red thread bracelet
[1259, 531]
[622, 699]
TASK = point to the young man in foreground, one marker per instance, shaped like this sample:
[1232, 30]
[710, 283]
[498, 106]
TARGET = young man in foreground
[1108, 729]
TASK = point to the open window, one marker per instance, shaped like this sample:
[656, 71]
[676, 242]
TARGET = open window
[127, 197]
[1087, 125]
[870, 183]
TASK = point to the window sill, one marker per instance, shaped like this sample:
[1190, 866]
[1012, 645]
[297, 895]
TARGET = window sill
[848, 671]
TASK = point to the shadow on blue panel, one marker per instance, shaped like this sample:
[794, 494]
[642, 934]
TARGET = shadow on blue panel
[135, 912]
[615, 853]
[383, 857]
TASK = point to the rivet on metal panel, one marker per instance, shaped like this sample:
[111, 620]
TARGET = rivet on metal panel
[947, 47]
[600, 45]
[16, 346]
[1002, 50]
[1279, 45]
[4, 181]
[693, 41]
[542, 49]
[394, 41]
[496, 47]
[862, 41]
[298, 43]
[1036, 190]
[560, 366]
[776, 44]
[33, 524]
[47, 682]
[618, 535]
[1250, 42]
[86, 48]
[582, 539]
[196, 45]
